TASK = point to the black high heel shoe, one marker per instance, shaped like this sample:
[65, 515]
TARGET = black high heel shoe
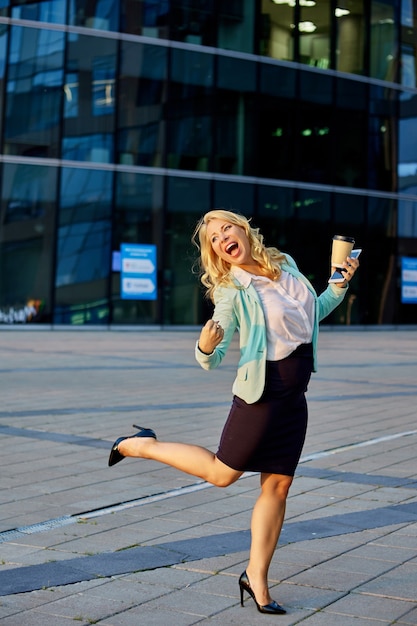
[273, 608]
[116, 456]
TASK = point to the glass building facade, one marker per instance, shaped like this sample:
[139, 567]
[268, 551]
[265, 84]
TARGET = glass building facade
[123, 121]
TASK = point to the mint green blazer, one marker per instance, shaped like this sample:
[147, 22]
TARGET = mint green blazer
[239, 308]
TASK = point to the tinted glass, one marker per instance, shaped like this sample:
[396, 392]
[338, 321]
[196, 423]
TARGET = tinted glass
[276, 30]
[4, 8]
[313, 214]
[350, 37]
[90, 101]
[315, 33]
[187, 200]
[314, 128]
[407, 141]
[142, 93]
[349, 158]
[276, 122]
[235, 23]
[234, 117]
[382, 138]
[190, 111]
[384, 48]
[146, 17]
[27, 242]
[276, 215]
[137, 219]
[298, 223]
[193, 21]
[52, 11]
[239, 197]
[408, 44]
[349, 218]
[4, 32]
[83, 247]
[378, 262]
[407, 219]
[34, 90]
[100, 14]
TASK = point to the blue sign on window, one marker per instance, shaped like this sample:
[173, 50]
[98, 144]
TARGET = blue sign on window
[138, 279]
[408, 280]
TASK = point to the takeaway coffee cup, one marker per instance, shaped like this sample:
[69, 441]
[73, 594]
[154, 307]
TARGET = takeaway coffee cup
[341, 248]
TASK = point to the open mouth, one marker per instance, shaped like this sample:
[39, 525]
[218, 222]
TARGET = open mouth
[231, 248]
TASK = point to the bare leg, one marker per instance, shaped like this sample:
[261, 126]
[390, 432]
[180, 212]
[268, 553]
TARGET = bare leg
[188, 458]
[267, 519]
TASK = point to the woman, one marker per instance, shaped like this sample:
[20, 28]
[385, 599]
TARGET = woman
[259, 292]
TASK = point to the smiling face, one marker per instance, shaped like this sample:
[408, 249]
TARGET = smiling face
[230, 242]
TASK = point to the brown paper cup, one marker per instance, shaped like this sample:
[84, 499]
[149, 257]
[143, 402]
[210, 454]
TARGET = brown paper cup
[341, 248]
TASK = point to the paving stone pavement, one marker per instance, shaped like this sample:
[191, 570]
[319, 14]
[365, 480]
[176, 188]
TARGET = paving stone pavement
[141, 543]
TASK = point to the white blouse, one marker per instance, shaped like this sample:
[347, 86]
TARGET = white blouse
[289, 311]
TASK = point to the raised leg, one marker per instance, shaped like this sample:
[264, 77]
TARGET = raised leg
[188, 458]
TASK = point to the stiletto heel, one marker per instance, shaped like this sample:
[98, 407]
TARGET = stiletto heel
[241, 591]
[273, 608]
[116, 456]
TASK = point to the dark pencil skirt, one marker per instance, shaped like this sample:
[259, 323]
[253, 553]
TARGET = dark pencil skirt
[268, 436]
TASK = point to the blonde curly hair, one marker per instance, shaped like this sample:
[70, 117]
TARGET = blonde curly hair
[215, 271]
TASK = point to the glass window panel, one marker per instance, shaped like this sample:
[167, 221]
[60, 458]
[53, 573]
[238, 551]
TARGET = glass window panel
[408, 65]
[235, 25]
[311, 249]
[193, 21]
[4, 33]
[146, 17]
[314, 30]
[407, 219]
[141, 104]
[71, 90]
[99, 14]
[83, 247]
[238, 197]
[350, 129]
[408, 43]
[316, 87]
[190, 111]
[27, 242]
[53, 11]
[349, 218]
[382, 125]
[380, 269]
[277, 217]
[34, 92]
[407, 143]
[349, 214]
[314, 128]
[187, 200]
[384, 40]
[276, 30]
[350, 34]
[137, 219]
[298, 222]
[276, 139]
[103, 85]
[89, 99]
[92, 147]
[4, 8]
[234, 119]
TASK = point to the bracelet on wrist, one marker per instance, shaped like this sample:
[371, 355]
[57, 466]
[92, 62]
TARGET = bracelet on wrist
[202, 351]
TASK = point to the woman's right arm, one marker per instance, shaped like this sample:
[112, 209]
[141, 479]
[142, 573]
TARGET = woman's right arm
[210, 349]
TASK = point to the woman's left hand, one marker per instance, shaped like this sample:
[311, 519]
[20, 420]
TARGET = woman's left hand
[350, 266]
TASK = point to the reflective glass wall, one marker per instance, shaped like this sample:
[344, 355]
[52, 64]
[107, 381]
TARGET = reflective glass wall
[122, 122]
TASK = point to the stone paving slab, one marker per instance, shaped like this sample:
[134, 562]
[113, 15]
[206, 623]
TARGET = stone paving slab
[143, 544]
